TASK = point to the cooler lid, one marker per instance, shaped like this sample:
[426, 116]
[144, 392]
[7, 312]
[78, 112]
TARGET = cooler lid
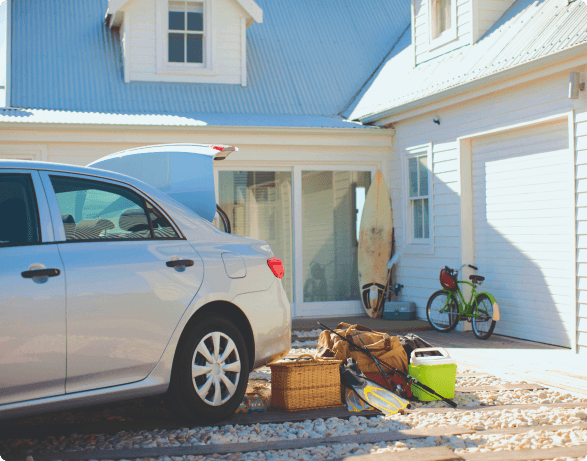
[444, 359]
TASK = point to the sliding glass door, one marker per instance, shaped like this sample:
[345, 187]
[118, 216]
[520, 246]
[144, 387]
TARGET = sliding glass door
[310, 216]
[258, 205]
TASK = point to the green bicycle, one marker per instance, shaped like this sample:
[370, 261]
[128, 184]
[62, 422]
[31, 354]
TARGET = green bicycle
[444, 310]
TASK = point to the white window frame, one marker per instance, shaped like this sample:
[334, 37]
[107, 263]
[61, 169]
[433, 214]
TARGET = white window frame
[448, 35]
[418, 245]
[185, 69]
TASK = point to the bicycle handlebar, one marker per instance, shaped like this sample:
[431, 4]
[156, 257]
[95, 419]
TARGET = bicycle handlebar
[452, 271]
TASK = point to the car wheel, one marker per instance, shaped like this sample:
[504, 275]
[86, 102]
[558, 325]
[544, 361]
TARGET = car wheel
[211, 372]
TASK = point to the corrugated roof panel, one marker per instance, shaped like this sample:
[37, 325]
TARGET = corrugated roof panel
[308, 57]
[195, 120]
[529, 30]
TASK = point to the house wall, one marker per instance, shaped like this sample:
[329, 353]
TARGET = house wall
[140, 30]
[540, 98]
[581, 195]
[488, 12]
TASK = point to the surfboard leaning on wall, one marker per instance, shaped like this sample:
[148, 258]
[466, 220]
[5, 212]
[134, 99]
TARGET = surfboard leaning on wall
[375, 237]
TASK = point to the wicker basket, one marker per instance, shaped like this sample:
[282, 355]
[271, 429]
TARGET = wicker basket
[305, 384]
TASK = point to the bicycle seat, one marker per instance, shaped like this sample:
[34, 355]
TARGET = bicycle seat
[476, 278]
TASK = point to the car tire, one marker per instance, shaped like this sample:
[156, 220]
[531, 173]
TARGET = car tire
[211, 372]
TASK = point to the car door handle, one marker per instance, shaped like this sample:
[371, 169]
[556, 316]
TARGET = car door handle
[180, 262]
[40, 273]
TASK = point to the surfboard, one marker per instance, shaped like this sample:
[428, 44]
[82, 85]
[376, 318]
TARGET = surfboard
[375, 234]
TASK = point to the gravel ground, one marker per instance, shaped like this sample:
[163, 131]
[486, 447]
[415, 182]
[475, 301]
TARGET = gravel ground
[307, 334]
[486, 420]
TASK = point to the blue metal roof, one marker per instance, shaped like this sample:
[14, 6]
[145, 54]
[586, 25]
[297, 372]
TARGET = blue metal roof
[307, 58]
[528, 31]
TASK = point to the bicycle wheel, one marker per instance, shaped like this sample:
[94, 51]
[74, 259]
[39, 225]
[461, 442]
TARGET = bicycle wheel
[484, 325]
[446, 320]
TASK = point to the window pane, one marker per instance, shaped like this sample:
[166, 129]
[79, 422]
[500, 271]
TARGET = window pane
[329, 230]
[258, 205]
[195, 49]
[442, 16]
[19, 220]
[413, 176]
[417, 204]
[196, 17]
[426, 218]
[161, 226]
[176, 20]
[96, 210]
[423, 175]
[176, 48]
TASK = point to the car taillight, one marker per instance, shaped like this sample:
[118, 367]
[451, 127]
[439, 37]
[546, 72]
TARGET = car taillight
[276, 267]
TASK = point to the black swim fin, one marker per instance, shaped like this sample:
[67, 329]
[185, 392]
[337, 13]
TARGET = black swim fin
[370, 392]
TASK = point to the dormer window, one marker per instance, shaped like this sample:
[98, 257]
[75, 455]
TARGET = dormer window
[186, 35]
[441, 12]
[443, 19]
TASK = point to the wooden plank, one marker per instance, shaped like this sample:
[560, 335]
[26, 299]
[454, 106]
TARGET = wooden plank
[522, 455]
[418, 454]
[500, 387]
[525, 406]
[210, 449]
[522, 429]
[8, 431]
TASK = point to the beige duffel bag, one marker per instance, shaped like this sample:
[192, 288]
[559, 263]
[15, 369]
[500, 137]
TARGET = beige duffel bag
[382, 346]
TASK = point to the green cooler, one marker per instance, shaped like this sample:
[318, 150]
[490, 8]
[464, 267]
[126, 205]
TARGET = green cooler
[438, 372]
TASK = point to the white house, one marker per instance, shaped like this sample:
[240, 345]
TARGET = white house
[86, 78]
[479, 95]
[319, 95]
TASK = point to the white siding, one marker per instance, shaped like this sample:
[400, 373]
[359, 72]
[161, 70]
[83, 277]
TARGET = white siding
[420, 23]
[488, 12]
[581, 196]
[523, 230]
[539, 99]
[141, 28]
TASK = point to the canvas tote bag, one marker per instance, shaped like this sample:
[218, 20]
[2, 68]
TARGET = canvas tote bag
[382, 346]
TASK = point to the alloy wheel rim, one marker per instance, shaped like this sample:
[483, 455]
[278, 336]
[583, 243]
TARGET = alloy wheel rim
[216, 368]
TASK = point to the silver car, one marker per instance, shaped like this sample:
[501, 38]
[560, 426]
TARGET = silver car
[111, 289]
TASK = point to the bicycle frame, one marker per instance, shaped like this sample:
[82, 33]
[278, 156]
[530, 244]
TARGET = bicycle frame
[464, 307]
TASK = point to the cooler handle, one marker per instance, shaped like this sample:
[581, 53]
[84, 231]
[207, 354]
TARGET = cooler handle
[442, 350]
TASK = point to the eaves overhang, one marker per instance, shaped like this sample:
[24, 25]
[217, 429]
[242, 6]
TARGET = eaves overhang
[488, 84]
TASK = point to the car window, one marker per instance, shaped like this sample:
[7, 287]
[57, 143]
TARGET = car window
[19, 217]
[161, 226]
[93, 210]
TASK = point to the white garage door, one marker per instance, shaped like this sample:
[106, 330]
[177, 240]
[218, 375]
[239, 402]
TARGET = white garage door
[524, 220]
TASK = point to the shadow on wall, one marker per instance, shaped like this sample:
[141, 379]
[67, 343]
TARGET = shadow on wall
[523, 239]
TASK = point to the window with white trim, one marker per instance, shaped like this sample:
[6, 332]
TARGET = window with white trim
[185, 39]
[186, 32]
[441, 13]
[418, 174]
[443, 19]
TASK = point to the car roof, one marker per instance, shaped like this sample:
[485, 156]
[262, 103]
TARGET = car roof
[65, 168]
[83, 170]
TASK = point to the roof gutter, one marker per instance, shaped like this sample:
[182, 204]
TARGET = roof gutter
[490, 81]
